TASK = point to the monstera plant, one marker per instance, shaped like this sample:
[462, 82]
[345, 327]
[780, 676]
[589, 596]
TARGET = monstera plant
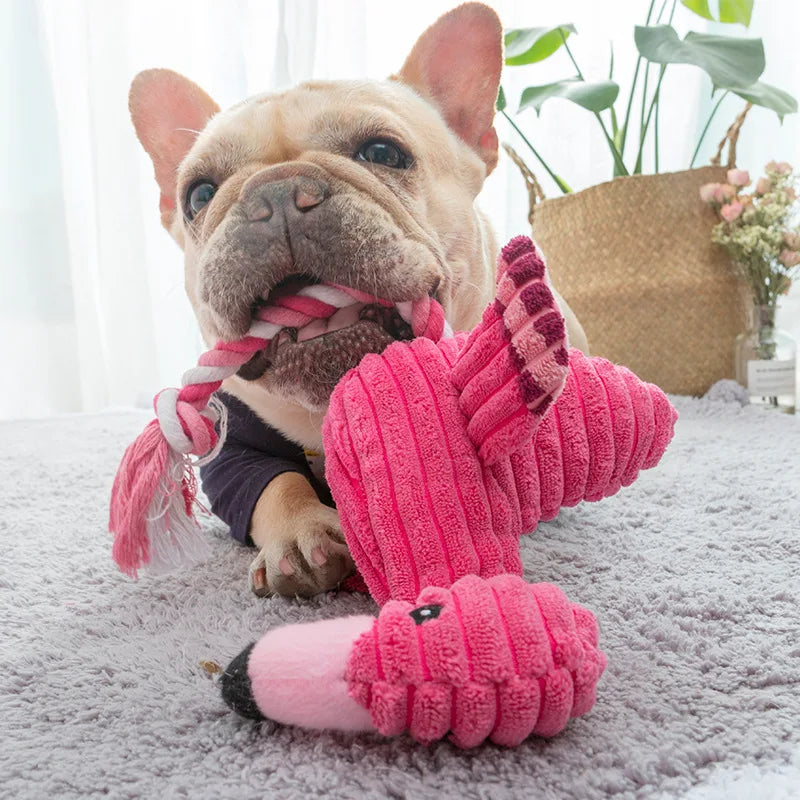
[733, 64]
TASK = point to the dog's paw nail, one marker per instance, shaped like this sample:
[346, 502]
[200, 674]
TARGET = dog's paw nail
[318, 556]
[259, 581]
[285, 567]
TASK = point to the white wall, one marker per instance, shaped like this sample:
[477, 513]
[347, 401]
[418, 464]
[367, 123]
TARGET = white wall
[91, 286]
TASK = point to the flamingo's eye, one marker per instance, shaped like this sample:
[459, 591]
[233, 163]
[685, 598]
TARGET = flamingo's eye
[424, 613]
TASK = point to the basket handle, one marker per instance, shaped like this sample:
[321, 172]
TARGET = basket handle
[535, 192]
[731, 137]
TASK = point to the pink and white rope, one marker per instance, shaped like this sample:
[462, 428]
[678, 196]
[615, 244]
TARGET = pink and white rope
[155, 487]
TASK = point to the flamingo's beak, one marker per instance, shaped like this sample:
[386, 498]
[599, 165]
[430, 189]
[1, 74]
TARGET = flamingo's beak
[295, 675]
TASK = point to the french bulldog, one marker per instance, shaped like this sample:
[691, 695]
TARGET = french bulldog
[370, 184]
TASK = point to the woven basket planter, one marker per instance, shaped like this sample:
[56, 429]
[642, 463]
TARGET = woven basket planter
[634, 259]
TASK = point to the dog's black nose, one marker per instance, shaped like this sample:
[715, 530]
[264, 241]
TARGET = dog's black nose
[235, 686]
[297, 194]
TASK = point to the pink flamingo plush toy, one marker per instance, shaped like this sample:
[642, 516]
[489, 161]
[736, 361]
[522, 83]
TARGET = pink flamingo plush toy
[440, 453]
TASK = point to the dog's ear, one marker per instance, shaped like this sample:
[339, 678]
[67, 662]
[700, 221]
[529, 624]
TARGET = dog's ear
[168, 112]
[456, 64]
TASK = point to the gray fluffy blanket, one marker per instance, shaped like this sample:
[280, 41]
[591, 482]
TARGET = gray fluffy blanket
[693, 574]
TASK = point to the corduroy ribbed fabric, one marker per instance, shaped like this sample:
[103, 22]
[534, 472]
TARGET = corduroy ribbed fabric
[440, 455]
[497, 658]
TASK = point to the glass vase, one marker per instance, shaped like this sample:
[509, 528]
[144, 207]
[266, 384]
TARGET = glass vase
[766, 362]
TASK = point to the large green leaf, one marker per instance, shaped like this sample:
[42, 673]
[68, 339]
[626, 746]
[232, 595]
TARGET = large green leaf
[529, 45]
[594, 96]
[700, 7]
[736, 11]
[729, 61]
[762, 94]
[730, 11]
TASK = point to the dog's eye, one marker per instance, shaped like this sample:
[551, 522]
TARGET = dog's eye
[198, 197]
[424, 613]
[384, 153]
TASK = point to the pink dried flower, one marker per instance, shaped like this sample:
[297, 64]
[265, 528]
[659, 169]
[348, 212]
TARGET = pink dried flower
[790, 193]
[738, 177]
[731, 211]
[779, 167]
[763, 185]
[724, 193]
[789, 258]
[708, 191]
[792, 240]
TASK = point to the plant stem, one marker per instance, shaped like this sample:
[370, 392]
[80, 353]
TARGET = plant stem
[658, 92]
[611, 62]
[644, 96]
[705, 129]
[633, 87]
[630, 104]
[655, 139]
[558, 181]
[638, 166]
[571, 57]
[614, 152]
[621, 168]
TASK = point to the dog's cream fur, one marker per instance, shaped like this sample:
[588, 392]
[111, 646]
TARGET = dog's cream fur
[394, 232]
[441, 233]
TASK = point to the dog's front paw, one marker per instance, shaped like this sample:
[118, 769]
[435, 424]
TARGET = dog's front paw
[304, 556]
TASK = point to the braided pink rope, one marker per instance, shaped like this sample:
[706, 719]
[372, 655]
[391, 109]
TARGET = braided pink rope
[155, 487]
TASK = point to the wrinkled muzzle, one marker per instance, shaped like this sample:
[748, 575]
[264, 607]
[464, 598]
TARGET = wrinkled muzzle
[297, 219]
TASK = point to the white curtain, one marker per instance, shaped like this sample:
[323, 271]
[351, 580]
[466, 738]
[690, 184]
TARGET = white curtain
[93, 309]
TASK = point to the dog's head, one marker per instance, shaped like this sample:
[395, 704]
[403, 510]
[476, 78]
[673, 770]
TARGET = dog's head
[366, 184]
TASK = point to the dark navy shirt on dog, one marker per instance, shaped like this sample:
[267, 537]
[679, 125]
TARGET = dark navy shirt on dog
[253, 454]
